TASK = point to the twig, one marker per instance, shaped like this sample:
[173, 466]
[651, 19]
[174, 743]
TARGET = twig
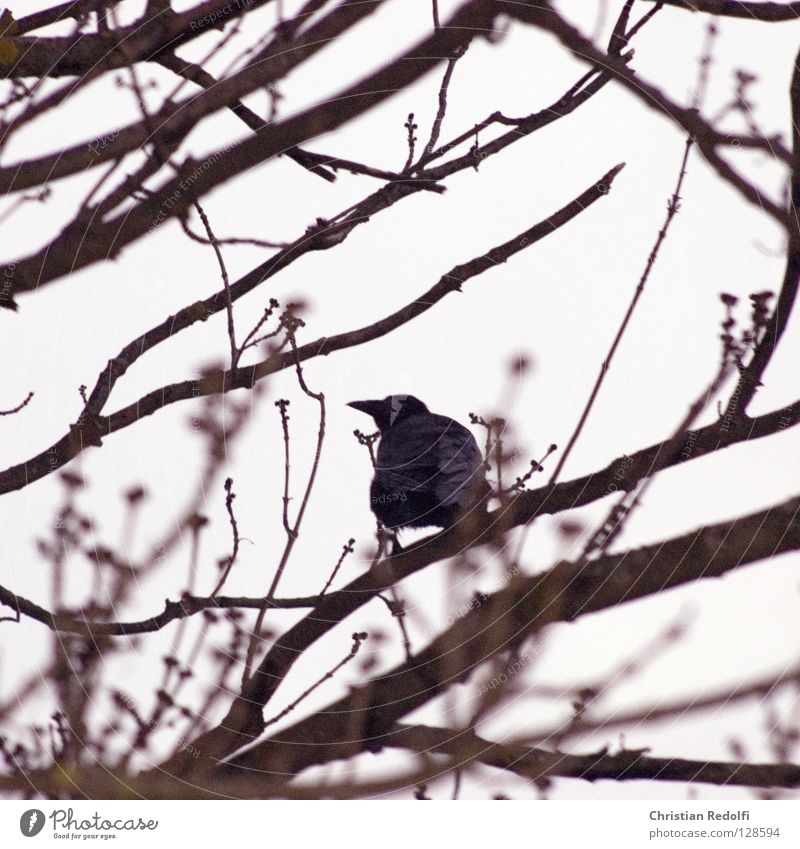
[739, 692]
[437, 121]
[539, 765]
[411, 140]
[750, 378]
[504, 622]
[358, 639]
[225, 282]
[672, 208]
[231, 559]
[347, 548]
[753, 10]
[197, 74]
[19, 406]
[233, 240]
[535, 466]
[368, 440]
[251, 340]
[706, 59]
[283, 405]
[291, 324]
[397, 608]
[632, 497]
[189, 605]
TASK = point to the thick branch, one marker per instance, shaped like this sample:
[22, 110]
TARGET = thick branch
[750, 378]
[544, 16]
[189, 605]
[543, 501]
[538, 765]
[756, 11]
[66, 56]
[91, 239]
[72, 9]
[94, 427]
[174, 121]
[364, 719]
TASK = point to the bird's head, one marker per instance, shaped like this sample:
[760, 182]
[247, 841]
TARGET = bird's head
[392, 409]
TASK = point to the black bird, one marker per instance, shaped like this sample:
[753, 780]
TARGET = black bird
[429, 470]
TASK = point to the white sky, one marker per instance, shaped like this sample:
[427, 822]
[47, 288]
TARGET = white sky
[560, 302]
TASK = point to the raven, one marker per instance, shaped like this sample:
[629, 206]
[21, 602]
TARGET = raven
[429, 470]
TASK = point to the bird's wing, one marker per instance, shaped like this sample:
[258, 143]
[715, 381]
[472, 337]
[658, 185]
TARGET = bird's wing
[432, 453]
[407, 461]
[461, 470]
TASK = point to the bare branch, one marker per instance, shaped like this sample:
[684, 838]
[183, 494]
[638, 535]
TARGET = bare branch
[750, 378]
[672, 209]
[189, 605]
[754, 10]
[502, 622]
[24, 403]
[706, 137]
[539, 765]
[94, 427]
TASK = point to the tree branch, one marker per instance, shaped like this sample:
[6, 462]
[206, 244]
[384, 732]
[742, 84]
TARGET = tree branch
[89, 239]
[539, 765]
[756, 11]
[87, 624]
[750, 378]
[541, 14]
[502, 622]
[93, 427]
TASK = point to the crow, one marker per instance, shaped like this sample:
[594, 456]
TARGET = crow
[429, 470]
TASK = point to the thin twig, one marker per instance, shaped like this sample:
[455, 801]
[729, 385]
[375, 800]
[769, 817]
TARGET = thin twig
[358, 639]
[672, 208]
[347, 548]
[411, 140]
[397, 608]
[440, 113]
[225, 281]
[291, 324]
[68, 447]
[19, 406]
[231, 559]
[750, 378]
[233, 240]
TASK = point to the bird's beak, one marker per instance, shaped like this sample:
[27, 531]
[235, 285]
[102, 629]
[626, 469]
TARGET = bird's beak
[371, 408]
